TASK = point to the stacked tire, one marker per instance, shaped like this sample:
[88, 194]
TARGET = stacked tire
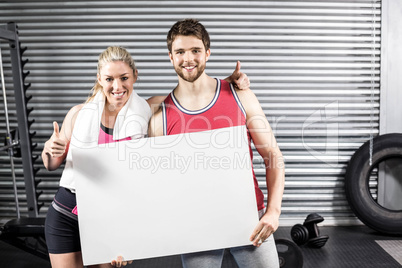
[381, 219]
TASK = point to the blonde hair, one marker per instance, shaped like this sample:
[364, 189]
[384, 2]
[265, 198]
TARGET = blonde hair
[113, 53]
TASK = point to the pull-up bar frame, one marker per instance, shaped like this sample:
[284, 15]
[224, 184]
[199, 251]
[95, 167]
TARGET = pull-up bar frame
[9, 32]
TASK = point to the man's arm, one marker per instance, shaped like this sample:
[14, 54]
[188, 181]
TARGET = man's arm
[155, 102]
[266, 145]
[238, 79]
[155, 127]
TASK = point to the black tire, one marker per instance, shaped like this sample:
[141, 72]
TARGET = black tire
[357, 184]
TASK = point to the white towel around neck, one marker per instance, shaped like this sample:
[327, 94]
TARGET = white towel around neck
[131, 121]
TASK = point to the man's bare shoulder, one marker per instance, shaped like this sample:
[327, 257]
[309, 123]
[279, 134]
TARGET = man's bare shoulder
[155, 127]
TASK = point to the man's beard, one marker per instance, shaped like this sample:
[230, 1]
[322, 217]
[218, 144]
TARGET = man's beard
[200, 69]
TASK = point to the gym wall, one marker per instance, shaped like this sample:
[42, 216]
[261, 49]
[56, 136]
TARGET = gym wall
[314, 66]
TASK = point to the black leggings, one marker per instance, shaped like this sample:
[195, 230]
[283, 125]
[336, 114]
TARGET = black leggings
[61, 226]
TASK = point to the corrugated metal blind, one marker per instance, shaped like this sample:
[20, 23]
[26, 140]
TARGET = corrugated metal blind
[314, 66]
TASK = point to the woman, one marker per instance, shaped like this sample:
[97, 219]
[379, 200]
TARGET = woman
[104, 118]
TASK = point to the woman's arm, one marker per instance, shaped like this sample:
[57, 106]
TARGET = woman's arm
[56, 148]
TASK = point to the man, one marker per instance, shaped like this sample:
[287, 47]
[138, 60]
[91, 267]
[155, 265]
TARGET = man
[199, 102]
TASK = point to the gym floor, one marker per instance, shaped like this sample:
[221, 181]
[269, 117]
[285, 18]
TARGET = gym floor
[347, 247]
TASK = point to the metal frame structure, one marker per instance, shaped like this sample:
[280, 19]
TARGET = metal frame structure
[9, 32]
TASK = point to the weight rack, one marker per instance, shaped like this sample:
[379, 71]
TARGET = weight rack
[24, 233]
[9, 32]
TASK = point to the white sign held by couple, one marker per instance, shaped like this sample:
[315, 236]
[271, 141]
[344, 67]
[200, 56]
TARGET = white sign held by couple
[163, 196]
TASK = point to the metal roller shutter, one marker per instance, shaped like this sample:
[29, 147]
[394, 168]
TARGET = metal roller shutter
[314, 66]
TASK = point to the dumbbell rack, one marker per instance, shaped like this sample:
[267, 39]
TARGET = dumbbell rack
[9, 32]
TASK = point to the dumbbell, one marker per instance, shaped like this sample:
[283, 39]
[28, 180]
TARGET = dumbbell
[308, 232]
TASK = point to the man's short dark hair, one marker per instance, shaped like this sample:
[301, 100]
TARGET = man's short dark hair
[188, 27]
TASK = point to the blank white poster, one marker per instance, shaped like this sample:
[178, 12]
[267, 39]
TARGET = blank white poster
[166, 195]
